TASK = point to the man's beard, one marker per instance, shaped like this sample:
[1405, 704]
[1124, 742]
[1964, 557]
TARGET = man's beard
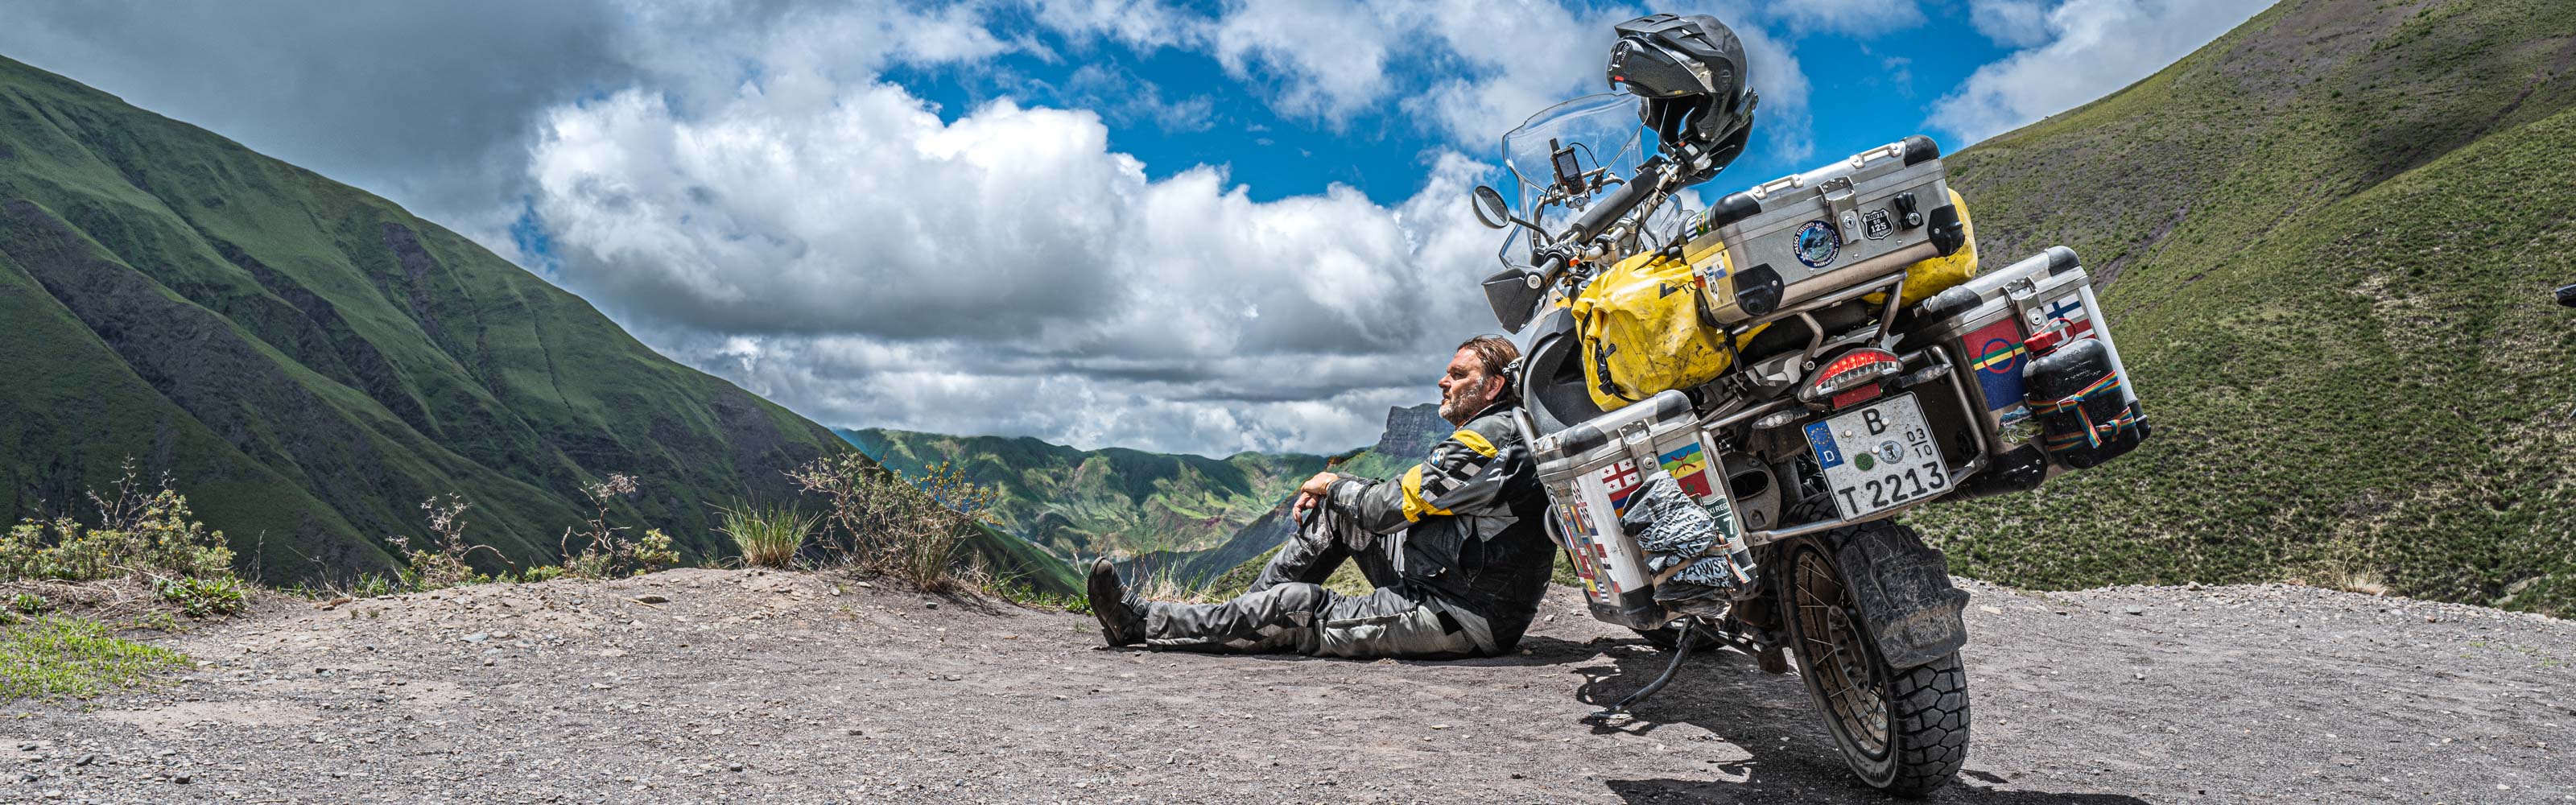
[1462, 403]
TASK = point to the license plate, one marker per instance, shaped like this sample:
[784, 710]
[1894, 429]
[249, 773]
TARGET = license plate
[1879, 457]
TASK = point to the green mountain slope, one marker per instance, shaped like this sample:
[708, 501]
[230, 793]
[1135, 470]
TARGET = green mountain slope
[1410, 433]
[1116, 502]
[2329, 238]
[309, 362]
[1191, 517]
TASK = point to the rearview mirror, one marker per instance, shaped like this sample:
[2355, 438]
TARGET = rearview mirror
[1490, 208]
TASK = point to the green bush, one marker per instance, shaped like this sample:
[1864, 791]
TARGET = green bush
[139, 533]
[28, 603]
[768, 536]
[909, 529]
[202, 597]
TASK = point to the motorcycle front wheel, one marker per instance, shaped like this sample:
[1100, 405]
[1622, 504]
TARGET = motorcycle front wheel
[1901, 730]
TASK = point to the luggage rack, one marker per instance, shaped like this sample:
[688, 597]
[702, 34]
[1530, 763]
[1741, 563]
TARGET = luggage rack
[1893, 283]
[1884, 336]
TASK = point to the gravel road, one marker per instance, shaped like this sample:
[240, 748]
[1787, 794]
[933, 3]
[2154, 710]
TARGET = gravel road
[751, 687]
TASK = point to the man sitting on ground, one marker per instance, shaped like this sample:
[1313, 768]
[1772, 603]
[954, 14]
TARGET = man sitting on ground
[1454, 547]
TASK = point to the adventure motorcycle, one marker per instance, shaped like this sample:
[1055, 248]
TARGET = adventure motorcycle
[1728, 405]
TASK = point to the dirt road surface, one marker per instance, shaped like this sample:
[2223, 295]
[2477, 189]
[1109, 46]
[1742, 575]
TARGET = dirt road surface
[750, 687]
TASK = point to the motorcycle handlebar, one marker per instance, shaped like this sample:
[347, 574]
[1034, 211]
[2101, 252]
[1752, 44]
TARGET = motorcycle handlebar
[1555, 265]
[1616, 204]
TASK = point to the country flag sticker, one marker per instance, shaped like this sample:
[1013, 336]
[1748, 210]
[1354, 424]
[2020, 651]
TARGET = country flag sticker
[1619, 482]
[2079, 320]
[1689, 468]
[1996, 354]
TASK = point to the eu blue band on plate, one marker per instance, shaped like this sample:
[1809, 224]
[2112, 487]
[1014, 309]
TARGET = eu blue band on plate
[1828, 454]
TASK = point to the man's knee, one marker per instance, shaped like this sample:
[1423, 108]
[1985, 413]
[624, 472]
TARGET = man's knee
[1296, 602]
[1412, 635]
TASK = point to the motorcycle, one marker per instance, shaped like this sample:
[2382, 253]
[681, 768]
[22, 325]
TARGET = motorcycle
[1748, 498]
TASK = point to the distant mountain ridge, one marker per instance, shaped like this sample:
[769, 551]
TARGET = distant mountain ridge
[1410, 433]
[1412, 430]
[1195, 516]
[308, 362]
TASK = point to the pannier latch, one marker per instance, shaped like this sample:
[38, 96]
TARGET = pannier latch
[1837, 194]
[1638, 440]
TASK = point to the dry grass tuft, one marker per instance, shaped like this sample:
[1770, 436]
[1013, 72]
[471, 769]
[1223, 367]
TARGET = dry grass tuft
[768, 535]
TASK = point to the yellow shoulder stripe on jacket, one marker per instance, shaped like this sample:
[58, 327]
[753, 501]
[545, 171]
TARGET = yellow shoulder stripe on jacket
[1415, 506]
[1474, 441]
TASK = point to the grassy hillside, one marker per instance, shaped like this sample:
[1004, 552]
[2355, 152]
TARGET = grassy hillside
[1119, 502]
[308, 362]
[2329, 238]
[1231, 564]
[1191, 517]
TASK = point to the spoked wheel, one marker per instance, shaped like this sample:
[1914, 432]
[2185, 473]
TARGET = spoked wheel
[1905, 731]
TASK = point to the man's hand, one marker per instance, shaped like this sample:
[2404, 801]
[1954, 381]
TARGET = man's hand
[1311, 493]
[1319, 485]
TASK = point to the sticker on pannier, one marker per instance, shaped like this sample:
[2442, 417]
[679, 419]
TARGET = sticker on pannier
[1996, 353]
[1689, 468]
[2079, 319]
[1580, 548]
[1619, 482]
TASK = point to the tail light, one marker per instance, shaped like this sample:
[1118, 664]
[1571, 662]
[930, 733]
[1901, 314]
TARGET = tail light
[1852, 376]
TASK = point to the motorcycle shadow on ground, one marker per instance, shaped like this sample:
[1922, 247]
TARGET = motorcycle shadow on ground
[1787, 756]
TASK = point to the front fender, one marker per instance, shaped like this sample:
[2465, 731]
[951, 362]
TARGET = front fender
[1903, 589]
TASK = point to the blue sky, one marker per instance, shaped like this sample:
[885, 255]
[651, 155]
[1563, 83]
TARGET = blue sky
[1193, 227]
[1867, 90]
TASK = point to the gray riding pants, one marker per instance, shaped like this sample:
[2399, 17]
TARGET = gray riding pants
[1288, 610]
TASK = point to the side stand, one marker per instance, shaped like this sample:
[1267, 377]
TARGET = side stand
[1681, 652]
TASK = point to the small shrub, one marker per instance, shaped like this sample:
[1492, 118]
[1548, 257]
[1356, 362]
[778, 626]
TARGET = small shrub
[138, 533]
[882, 523]
[443, 565]
[768, 536]
[606, 550]
[376, 585]
[70, 657]
[202, 597]
[28, 603]
[654, 551]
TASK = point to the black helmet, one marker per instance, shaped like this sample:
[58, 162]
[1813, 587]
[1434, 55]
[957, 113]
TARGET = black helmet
[1690, 73]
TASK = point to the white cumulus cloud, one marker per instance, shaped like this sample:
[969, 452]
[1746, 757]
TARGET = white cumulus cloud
[766, 206]
[849, 253]
[2088, 49]
[2011, 23]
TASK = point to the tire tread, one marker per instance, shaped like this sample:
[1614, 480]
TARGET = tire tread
[1931, 722]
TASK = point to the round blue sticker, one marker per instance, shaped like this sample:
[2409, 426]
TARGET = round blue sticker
[1818, 244]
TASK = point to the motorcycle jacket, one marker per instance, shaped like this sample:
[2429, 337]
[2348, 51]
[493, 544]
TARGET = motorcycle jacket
[1464, 525]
